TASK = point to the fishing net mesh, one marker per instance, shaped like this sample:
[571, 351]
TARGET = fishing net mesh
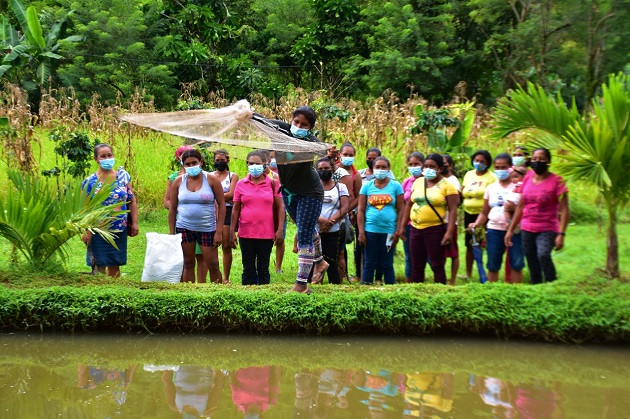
[234, 125]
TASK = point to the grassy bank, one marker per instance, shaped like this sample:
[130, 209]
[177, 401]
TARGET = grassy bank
[580, 307]
[596, 310]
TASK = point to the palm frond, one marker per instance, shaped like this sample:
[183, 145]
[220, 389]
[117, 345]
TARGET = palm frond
[533, 109]
[39, 219]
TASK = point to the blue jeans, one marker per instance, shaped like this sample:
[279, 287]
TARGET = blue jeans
[375, 256]
[495, 246]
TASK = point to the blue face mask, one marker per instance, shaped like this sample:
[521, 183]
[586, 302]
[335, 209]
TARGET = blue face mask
[502, 174]
[298, 132]
[429, 173]
[107, 164]
[480, 167]
[255, 170]
[518, 160]
[380, 174]
[415, 171]
[347, 161]
[273, 164]
[193, 171]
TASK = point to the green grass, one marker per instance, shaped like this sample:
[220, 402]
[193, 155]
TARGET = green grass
[566, 311]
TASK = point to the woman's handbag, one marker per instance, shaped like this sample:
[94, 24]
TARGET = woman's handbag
[345, 227]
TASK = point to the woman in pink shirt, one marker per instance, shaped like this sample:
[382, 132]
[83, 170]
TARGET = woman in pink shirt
[256, 198]
[543, 195]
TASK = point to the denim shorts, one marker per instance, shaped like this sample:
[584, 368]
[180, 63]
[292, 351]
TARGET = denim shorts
[495, 246]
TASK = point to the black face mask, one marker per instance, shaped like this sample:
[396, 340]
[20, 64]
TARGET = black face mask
[539, 167]
[220, 165]
[370, 164]
[444, 171]
[325, 175]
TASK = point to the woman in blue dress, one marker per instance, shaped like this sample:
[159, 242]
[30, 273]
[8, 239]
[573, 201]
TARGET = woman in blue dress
[101, 255]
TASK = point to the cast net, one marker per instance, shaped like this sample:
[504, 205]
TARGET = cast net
[234, 125]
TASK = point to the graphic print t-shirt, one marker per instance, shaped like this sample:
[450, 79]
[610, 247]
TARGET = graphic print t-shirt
[380, 213]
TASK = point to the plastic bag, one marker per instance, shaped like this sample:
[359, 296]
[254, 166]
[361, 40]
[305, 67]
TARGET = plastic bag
[164, 259]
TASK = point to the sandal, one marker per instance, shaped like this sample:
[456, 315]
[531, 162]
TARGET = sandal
[318, 277]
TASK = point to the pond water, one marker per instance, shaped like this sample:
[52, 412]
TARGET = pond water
[172, 376]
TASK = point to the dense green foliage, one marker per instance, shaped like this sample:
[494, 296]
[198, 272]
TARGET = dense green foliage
[346, 47]
[565, 311]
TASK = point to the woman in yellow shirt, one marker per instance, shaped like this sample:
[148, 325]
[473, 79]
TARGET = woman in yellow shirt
[431, 196]
[473, 189]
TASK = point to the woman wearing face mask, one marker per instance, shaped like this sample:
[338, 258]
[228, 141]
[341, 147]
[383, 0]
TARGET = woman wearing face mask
[519, 157]
[303, 193]
[380, 202]
[414, 167]
[256, 198]
[192, 213]
[493, 212]
[347, 174]
[228, 183]
[473, 188]
[202, 269]
[543, 195]
[452, 251]
[431, 197]
[335, 207]
[367, 175]
[101, 254]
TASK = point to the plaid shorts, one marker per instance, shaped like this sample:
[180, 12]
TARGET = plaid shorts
[201, 237]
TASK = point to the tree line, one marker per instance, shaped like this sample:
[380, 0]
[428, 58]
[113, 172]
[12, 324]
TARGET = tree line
[350, 48]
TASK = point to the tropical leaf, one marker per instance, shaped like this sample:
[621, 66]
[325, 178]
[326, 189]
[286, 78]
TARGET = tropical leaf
[17, 52]
[4, 68]
[51, 55]
[43, 72]
[533, 108]
[8, 35]
[38, 219]
[20, 15]
[462, 133]
[35, 28]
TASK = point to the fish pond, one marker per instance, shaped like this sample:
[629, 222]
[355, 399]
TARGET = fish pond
[187, 376]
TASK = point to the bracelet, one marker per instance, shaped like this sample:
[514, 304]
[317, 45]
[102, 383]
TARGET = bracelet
[560, 233]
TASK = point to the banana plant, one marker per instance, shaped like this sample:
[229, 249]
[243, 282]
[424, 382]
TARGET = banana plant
[38, 219]
[29, 59]
[597, 143]
[434, 124]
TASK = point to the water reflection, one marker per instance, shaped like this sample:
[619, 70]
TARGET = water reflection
[221, 377]
[193, 391]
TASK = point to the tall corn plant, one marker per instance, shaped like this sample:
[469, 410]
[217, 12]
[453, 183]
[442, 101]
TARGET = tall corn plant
[38, 219]
[597, 143]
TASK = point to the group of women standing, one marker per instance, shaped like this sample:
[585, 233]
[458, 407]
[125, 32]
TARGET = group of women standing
[518, 206]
